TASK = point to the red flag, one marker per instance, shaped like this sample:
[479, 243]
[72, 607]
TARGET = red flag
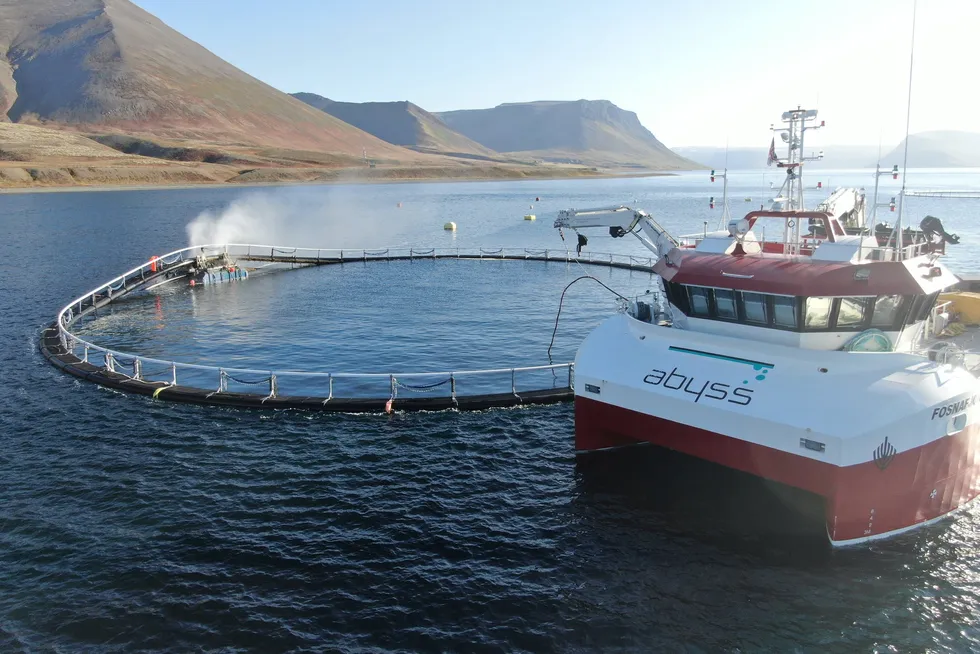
[772, 152]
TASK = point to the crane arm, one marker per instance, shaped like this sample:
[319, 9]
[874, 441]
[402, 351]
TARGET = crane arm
[620, 220]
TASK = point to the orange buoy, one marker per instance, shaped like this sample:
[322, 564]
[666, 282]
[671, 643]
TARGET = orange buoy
[388, 405]
[153, 263]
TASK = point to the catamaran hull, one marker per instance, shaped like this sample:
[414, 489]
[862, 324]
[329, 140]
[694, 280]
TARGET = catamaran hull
[879, 476]
[863, 502]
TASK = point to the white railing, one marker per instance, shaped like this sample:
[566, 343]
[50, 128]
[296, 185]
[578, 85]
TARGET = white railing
[149, 369]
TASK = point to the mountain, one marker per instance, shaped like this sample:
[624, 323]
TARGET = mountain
[835, 157]
[589, 132]
[107, 65]
[400, 123]
[939, 150]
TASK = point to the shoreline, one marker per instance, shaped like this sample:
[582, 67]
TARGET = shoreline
[92, 188]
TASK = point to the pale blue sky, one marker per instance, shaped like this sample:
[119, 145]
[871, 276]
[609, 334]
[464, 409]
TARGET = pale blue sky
[696, 72]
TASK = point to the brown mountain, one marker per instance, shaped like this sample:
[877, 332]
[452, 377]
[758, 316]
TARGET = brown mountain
[107, 65]
[400, 123]
[590, 132]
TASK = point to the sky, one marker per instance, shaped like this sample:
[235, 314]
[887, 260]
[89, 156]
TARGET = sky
[696, 72]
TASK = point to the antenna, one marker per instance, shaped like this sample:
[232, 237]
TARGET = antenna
[905, 161]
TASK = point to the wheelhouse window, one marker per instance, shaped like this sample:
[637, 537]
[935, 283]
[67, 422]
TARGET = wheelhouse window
[784, 312]
[885, 313]
[817, 313]
[700, 301]
[851, 312]
[755, 308]
[725, 304]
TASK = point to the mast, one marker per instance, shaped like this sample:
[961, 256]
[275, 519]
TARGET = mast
[726, 214]
[791, 192]
[905, 161]
[790, 196]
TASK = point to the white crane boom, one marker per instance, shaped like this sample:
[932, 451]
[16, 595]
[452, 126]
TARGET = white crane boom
[620, 220]
[847, 205]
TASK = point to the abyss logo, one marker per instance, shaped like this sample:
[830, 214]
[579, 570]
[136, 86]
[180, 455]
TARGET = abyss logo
[717, 391]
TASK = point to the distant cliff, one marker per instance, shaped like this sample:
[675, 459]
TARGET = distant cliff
[590, 132]
[939, 150]
[400, 123]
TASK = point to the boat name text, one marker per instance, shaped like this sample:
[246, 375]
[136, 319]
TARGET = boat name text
[955, 407]
[717, 391]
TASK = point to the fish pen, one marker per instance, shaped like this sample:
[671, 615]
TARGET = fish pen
[355, 392]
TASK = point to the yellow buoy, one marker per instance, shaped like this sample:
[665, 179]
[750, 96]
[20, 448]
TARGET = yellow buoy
[530, 216]
[449, 227]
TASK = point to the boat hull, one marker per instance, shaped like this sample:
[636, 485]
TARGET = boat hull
[863, 502]
[879, 476]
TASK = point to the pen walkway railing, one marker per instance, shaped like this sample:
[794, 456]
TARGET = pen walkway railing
[215, 384]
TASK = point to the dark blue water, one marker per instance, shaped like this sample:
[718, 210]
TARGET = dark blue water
[133, 525]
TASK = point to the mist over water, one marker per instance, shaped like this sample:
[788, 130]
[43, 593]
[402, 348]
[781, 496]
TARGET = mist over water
[331, 217]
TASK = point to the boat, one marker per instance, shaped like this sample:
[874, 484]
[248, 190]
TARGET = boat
[802, 346]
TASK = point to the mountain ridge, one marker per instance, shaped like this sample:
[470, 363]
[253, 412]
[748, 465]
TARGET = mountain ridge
[402, 123]
[109, 65]
[931, 149]
[591, 132]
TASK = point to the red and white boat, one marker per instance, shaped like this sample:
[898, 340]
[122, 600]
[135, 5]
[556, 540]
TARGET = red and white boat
[798, 346]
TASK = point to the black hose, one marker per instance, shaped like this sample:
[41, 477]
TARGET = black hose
[561, 303]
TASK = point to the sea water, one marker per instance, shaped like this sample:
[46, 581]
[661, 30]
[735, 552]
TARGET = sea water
[128, 524]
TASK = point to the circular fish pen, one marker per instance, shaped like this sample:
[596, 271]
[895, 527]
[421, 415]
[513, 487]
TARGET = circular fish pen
[252, 387]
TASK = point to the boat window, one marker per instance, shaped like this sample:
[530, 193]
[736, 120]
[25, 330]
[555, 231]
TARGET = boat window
[700, 301]
[784, 312]
[754, 306]
[886, 311]
[725, 304]
[926, 306]
[817, 315]
[677, 295]
[851, 312]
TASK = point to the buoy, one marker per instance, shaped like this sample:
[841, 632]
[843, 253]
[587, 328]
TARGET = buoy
[153, 263]
[449, 227]
[388, 405]
[530, 216]
[537, 199]
[193, 282]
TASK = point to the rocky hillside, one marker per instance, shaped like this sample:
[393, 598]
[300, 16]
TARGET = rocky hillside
[107, 65]
[400, 123]
[589, 132]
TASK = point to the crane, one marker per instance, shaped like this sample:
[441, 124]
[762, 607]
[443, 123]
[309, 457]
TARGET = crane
[620, 220]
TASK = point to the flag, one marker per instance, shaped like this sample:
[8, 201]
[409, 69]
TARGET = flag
[772, 152]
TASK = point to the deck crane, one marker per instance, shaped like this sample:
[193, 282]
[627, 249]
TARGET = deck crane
[620, 220]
